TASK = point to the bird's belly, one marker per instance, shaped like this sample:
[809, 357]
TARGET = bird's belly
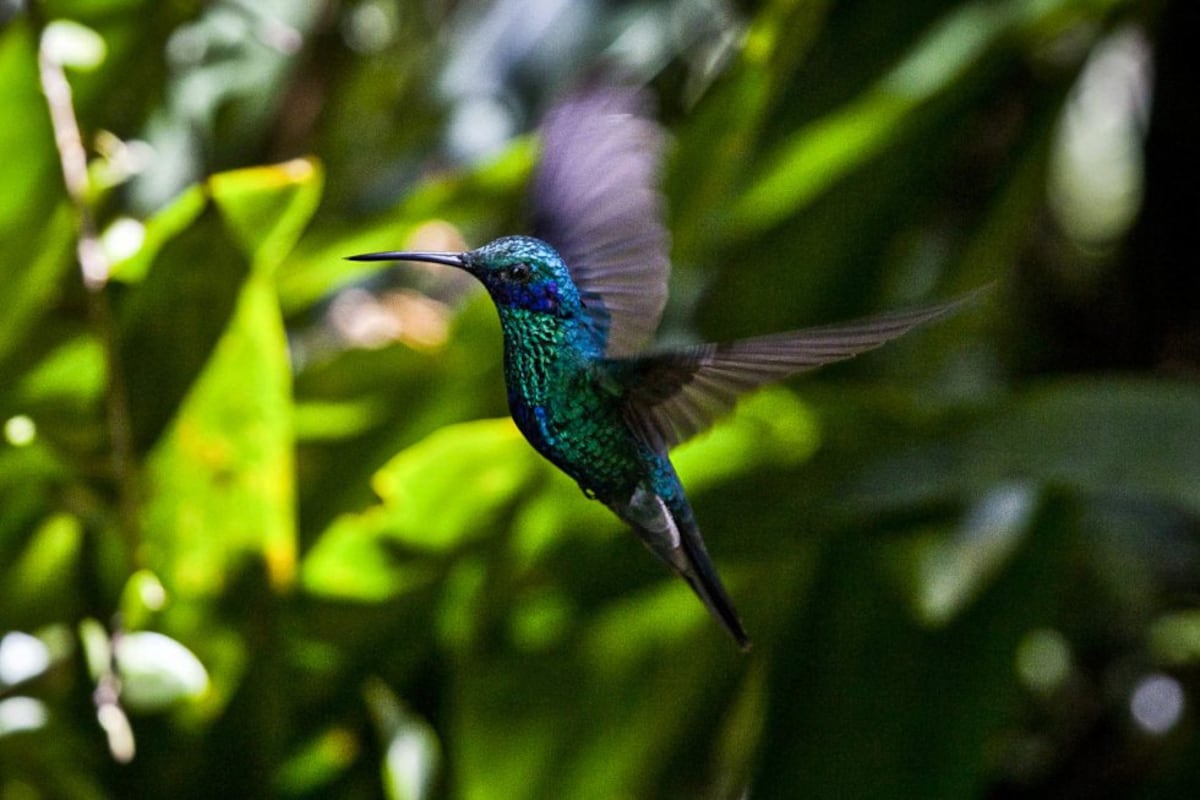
[588, 442]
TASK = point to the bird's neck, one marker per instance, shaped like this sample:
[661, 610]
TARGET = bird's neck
[542, 352]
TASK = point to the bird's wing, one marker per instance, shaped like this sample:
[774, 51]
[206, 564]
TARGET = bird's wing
[595, 199]
[675, 394]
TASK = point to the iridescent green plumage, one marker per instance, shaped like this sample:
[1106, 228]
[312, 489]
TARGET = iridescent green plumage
[578, 305]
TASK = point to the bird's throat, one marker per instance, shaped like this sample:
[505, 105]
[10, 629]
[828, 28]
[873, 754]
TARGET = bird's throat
[538, 354]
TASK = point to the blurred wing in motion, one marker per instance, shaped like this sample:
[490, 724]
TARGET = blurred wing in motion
[596, 200]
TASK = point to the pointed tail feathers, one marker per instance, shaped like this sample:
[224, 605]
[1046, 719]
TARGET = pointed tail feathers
[672, 535]
[701, 575]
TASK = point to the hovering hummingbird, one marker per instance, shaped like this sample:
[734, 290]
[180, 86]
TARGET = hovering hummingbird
[579, 302]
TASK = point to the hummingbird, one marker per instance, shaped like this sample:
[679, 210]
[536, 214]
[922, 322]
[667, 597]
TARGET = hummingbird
[579, 302]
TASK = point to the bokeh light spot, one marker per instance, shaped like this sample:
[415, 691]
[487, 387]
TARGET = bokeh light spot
[1043, 660]
[1157, 703]
[20, 430]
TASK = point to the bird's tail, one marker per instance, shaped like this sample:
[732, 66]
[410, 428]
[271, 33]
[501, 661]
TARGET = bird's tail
[701, 575]
[671, 533]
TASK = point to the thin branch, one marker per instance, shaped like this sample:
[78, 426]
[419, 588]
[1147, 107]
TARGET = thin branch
[95, 268]
[71, 155]
[107, 697]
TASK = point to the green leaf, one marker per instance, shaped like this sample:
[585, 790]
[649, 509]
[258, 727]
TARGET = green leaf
[458, 484]
[157, 672]
[41, 583]
[32, 182]
[37, 224]
[200, 256]
[819, 154]
[719, 140]
[220, 484]
[267, 208]
[170, 322]
[1129, 437]
[33, 271]
[160, 229]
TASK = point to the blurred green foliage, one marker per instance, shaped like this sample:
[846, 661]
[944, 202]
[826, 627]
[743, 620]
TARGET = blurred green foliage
[265, 529]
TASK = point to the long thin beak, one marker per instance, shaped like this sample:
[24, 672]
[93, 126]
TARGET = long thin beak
[450, 259]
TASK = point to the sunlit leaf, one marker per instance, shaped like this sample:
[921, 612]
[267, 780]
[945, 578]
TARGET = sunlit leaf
[156, 671]
[158, 230]
[818, 155]
[40, 581]
[172, 320]
[220, 485]
[719, 140]
[412, 753]
[267, 208]
[319, 762]
[1175, 638]
[454, 486]
[31, 274]
[22, 657]
[73, 373]
[333, 420]
[32, 181]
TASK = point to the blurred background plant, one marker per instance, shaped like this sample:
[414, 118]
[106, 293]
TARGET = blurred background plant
[266, 530]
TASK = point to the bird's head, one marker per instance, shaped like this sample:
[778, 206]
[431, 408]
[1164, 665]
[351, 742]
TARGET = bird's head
[519, 272]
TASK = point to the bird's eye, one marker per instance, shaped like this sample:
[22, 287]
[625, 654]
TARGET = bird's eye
[520, 272]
